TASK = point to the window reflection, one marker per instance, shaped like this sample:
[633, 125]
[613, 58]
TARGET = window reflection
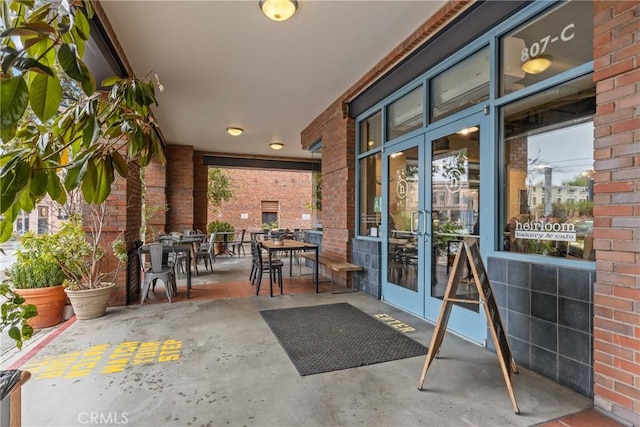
[455, 183]
[556, 42]
[370, 195]
[402, 222]
[405, 114]
[548, 157]
[461, 86]
[371, 132]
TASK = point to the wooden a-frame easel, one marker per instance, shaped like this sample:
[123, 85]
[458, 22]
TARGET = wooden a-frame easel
[469, 252]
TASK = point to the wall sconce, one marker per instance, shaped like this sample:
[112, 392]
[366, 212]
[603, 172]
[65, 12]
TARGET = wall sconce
[536, 65]
[279, 10]
[235, 131]
[276, 145]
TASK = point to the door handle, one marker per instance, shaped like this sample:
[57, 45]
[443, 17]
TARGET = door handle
[413, 221]
[424, 225]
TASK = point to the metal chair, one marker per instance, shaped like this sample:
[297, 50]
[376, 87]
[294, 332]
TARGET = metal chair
[206, 251]
[239, 244]
[176, 260]
[261, 265]
[156, 271]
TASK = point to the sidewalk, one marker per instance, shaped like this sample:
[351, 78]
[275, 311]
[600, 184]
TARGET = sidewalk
[229, 369]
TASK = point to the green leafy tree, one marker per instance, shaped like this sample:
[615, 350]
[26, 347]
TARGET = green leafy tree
[58, 131]
[220, 187]
[52, 144]
[577, 181]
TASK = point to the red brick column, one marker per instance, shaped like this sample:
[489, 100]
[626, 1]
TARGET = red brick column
[617, 210]
[180, 187]
[155, 181]
[337, 133]
[122, 219]
[200, 203]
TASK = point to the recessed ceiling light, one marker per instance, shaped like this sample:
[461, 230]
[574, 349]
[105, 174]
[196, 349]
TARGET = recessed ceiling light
[235, 131]
[276, 145]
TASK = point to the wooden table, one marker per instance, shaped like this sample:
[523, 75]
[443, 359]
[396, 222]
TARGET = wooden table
[169, 249]
[291, 246]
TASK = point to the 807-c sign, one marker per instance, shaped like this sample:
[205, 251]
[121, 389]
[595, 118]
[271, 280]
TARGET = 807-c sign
[538, 48]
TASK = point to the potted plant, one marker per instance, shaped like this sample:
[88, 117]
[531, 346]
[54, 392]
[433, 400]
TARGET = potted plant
[37, 277]
[81, 256]
[59, 130]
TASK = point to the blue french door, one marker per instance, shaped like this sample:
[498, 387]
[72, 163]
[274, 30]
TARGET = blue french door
[432, 197]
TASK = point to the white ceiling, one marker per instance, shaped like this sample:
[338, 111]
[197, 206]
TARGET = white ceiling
[223, 63]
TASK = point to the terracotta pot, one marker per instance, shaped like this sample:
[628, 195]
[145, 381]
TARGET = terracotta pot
[90, 303]
[49, 302]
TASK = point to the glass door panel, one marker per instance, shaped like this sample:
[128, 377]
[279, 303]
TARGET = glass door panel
[454, 198]
[405, 226]
[455, 183]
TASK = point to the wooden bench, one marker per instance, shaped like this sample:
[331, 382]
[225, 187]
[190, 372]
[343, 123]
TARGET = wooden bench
[334, 265]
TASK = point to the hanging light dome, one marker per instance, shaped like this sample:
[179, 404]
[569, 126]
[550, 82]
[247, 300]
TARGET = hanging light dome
[536, 65]
[279, 10]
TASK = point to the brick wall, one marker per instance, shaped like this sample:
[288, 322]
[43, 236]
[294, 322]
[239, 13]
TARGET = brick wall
[292, 190]
[617, 209]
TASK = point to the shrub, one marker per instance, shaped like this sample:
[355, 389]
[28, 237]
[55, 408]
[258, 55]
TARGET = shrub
[35, 267]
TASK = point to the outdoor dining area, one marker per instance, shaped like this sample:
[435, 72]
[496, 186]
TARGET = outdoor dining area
[193, 265]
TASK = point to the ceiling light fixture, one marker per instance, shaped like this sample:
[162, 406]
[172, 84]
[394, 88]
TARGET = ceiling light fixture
[276, 145]
[278, 10]
[235, 131]
[536, 65]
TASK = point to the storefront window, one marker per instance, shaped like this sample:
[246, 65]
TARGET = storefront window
[556, 42]
[461, 86]
[370, 195]
[371, 132]
[548, 185]
[405, 114]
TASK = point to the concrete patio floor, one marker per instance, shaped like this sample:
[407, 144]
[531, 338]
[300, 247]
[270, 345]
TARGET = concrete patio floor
[212, 361]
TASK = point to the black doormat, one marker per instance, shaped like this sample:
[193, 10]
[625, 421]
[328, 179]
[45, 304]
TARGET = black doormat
[331, 337]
